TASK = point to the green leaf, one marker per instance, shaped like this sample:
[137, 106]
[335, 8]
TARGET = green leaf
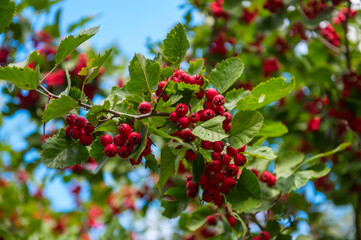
[272, 129]
[97, 150]
[163, 134]
[115, 231]
[144, 75]
[245, 125]
[23, 78]
[337, 149]
[167, 161]
[108, 126]
[260, 152]
[195, 67]
[211, 130]
[31, 57]
[226, 74]
[151, 163]
[70, 43]
[79, 23]
[179, 87]
[93, 66]
[117, 95]
[234, 96]
[96, 112]
[266, 93]
[198, 218]
[59, 107]
[174, 208]
[285, 165]
[177, 192]
[141, 146]
[60, 151]
[7, 11]
[176, 44]
[198, 167]
[75, 93]
[246, 194]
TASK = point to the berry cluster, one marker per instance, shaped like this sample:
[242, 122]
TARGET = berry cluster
[217, 9]
[313, 8]
[248, 16]
[124, 143]
[79, 128]
[270, 65]
[330, 34]
[273, 5]
[264, 235]
[267, 178]
[342, 15]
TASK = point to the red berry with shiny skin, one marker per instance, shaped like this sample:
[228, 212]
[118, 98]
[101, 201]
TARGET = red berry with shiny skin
[123, 152]
[194, 117]
[88, 128]
[207, 145]
[216, 155]
[255, 171]
[79, 122]
[229, 182]
[110, 150]
[264, 235]
[218, 146]
[219, 111]
[190, 155]
[173, 117]
[211, 93]
[218, 200]
[134, 138]
[183, 122]
[200, 94]
[216, 166]
[207, 114]
[232, 151]
[69, 119]
[240, 160]
[119, 140]
[144, 107]
[225, 159]
[226, 127]
[208, 105]
[218, 176]
[67, 131]
[124, 129]
[198, 79]
[86, 139]
[219, 100]
[106, 140]
[242, 149]
[75, 132]
[188, 136]
[161, 85]
[211, 220]
[265, 176]
[232, 170]
[181, 109]
[228, 117]
[207, 197]
[232, 221]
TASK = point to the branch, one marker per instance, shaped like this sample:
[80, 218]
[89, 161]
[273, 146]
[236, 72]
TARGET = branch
[345, 29]
[254, 219]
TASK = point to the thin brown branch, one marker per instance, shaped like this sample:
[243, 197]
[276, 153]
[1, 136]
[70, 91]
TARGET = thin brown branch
[254, 219]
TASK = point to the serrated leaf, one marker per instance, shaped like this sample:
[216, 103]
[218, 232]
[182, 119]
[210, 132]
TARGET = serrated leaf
[176, 44]
[246, 194]
[151, 163]
[59, 107]
[195, 67]
[260, 152]
[234, 96]
[198, 218]
[93, 67]
[96, 112]
[108, 126]
[167, 72]
[337, 149]
[79, 23]
[31, 57]
[163, 134]
[144, 75]
[74, 93]
[70, 43]
[272, 129]
[141, 146]
[117, 95]
[266, 93]
[7, 10]
[245, 125]
[226, 74]
[167, 161]
[211, 130]
[97, 150]
[286, 164]
[60, 151]
[175, 207]
[199, 166]
[23, 78]
[179, 87]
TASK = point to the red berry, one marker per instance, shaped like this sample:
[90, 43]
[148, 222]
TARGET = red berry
[218, 100]
[219, 111]
[200, 94]
[68, 131]
[79, 122]
[232, 221]
[124, 130]
[207, 114]
[232, 151]
[161, 85]
[264, 235]
[133, 162]
[211, 93]
[208, 105]
[134, 138]
[123, 152]
[207, 197]
[216, 166]
[207, 145]
[69, 119]
[228, 118]
[232, 170]
[224, 189]
[225, 159]
[173, 117]
[229, 182]
[218, 176]
[144, 107]
[183, 122]
[181, 109]
[188, 136]
[211, 220]
[119, 140]
[106, 140]
[193, 187]
[146, 151]
[86, 139]
[255, 171]
[272, 180]
[216, 155]
[88, 128]
[76, 132]
[110, 150]
[198, 79]
[265, 176]
[190, 155]
[226, 127]
[218, 200]
[240, 160]
[242, 149]
[194, 117]
[218, 146]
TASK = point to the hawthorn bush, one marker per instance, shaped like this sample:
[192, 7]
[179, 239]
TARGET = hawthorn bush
[227, 142]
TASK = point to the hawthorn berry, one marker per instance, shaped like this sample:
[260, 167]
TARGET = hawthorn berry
[194, 117]
[219, 111]
[123, 152]
[232, 221]
[198, 80]
[225, 159]
[134, 138]
[183, 122]
[216, 155]
[193, 187]
[110, 150]
[200, 94]
[67, 130]
[218, 146]
[211, 220]
[181, 109]
[211, 93]
[242, 149]
[106, 140]
[218, 200]
[173, 117]
[226, 127]
[190, 155]
[88, 128]
[228, 117]
[240, 160]
[69, 119]
[207, 145]
[216, 166]
[264, 235]
[207, 197]
[229, 182]
[144, 107]
[124, 129]
[75, 132]
[218, 100]
[191, 194]
[86, 139]
[255, 171]
[218, 176]
[79, 122]
[188, 136]
[119, 140]
[232, 151]
[207, 114]
[265, 176]
[208, 105]
[137, 162]
[232, 170]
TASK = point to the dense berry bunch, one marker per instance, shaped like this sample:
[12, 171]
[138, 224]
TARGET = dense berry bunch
[330, 34]
[79, 128]
[342, 15]
[268, 178]
[273, 5]
[313, 8]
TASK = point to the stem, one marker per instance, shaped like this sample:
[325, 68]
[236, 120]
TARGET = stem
[52, 70]
[345, 29]
[254, 219]
[357, 217]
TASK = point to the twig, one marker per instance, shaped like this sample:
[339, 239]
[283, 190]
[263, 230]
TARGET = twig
[254, 219]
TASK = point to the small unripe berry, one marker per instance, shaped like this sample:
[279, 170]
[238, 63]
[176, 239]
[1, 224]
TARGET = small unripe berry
[86, 139]
[88, 128]
[218, 146]
[211, 93]
[225, 159]
[207, 145]
[211, 220]
[67, 131]
[264, 235]
[124, 129]
[69, 119]
[144, 107]
[123, 152]
[106, 140]
[181, 109]
[232, 221]
[79, 122]
[190, 155]
[219, 100]
[228, 117]
[194, 117]
[240, 160]
[232, 151]
[207, 114]
[188, 136]
[232, 170]
[119, 140]
[134, 138]
[200, 94]
[75, 132]
[183, 122]
[110, 150]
